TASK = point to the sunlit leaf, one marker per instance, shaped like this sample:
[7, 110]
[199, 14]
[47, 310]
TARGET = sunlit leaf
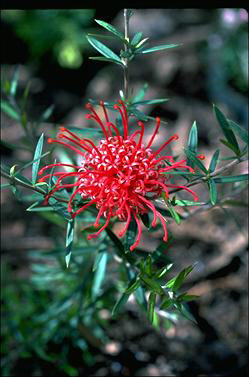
[103, 59]
[37, 157]
[14, 82]
[163, 271]
[137, 37]
[99, 274]
[150, 101]
[151, 306]
[104, 50]
[134, 284]
[157, 48]
[111, 28]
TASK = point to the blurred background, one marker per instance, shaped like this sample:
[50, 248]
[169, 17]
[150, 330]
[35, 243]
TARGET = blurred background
[52, 55]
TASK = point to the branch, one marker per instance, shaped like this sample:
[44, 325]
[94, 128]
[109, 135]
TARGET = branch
[23, 184]
[214, 174]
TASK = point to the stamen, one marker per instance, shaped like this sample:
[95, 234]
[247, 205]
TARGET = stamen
[127, 222]
[98, 120]
[185, 188]
[124, 121]
[139, 229]
[165, 238]
[66, 145]
[94, 235]
[83, 208]
[174, 137]
[63, 129]
[155, 132]
[59, 164]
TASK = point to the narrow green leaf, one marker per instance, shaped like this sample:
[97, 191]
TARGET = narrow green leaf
[31, 162]
[186, 297]
[120, 303]
[60, 208]
[130, 235]
[212, 191]
[185, 312]
[36, 207]
[173, 212]
[139, 114]
[104, 50]
[167, 302]
[152, 284]
[150, 102]
[14, 82]
[187, 203]
[134, 284]
[230, 146]
[195, 160]
[137, 38]
[148, 266]
[230, 179]
[181, 277]
[37, 157]
[9, 110]
[151, 306]
[140, 46]
[111, 28]
[47, 113]
[69, 240]
[192, 142]
[99, 274]
[241, 132]
[109, 60]
[163, 271]
[141, 93]
[214, 161]
[115, 240]
[157, 48]
[226, 128]
[139, 292]
[145, 219]
[5, 186]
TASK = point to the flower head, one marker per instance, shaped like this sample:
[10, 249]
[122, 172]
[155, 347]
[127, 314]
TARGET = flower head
[120, 176]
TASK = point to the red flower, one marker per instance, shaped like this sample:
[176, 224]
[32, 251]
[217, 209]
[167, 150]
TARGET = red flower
[119, 175]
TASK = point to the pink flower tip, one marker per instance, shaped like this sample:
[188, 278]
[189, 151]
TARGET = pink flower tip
[50, 140]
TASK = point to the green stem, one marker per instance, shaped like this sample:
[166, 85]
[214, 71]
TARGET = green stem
[126, 60]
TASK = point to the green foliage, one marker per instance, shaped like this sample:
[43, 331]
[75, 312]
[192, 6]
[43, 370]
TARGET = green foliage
[70, 284]
[63, 40]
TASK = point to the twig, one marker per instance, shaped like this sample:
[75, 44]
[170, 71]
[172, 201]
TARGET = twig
[23, 184]
[214, 174]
